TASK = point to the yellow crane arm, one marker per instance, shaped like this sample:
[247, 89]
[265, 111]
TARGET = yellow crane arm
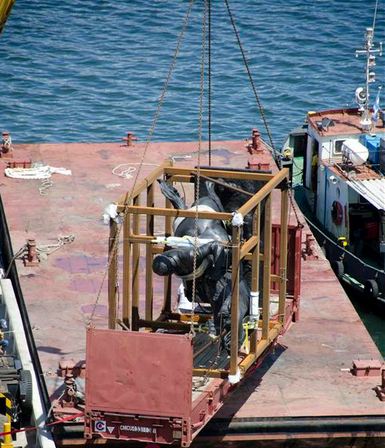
[5, 9]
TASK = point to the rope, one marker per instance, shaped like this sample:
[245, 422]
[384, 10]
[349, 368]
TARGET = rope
[250, 77]
[311, 223]
[198, 176]
[35, 172]
[48, 249]
[41, 172]
[198, 272]
[44, 186]
[42, 251]
[19, 254]
[126, 173]
[148, 141]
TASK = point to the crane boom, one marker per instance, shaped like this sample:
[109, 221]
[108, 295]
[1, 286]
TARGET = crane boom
[5, 10]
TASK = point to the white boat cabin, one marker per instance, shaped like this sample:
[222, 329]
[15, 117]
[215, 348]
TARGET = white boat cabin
[343, 174]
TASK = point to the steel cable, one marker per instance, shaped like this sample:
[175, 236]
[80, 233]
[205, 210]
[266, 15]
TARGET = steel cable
[198, 176]
[250, 77]
[148, 141]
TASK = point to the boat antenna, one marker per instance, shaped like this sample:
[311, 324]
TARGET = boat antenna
[375, 17]
[363, 94]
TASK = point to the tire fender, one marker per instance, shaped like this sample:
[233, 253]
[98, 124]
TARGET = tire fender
[338, 268]
[371, 289]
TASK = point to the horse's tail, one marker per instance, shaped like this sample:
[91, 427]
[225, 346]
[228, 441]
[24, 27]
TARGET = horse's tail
[172, 194]
[211, 193]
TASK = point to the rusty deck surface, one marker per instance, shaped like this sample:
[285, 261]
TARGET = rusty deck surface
[307, 375]
[343, 122]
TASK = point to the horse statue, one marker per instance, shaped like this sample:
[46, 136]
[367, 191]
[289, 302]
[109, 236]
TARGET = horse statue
[213, 262]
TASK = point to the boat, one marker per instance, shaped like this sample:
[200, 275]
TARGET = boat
[338, 174]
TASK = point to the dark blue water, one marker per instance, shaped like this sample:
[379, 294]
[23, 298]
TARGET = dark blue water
[86, 70]
[90, 70]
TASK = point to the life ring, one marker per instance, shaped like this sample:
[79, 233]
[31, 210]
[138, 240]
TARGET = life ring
[337, 213]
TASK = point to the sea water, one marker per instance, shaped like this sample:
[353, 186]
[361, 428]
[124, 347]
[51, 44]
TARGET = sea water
[87, 70]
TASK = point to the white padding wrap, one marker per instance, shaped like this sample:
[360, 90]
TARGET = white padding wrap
[181, 241]
[234, 379]
[237, 220]
[110, 212]
[254, 305]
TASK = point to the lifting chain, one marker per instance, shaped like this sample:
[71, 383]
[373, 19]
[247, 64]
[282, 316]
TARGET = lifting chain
[115, 246]
[294, 207]
[198, 176]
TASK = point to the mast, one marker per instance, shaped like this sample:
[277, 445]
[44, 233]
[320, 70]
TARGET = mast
[362, 95]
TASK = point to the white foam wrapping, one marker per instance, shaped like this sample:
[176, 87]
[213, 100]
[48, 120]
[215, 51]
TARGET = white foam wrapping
[234, 379]
[237, 220]
[254, 305]
[180, 241]
[111, 212]
[183, 302]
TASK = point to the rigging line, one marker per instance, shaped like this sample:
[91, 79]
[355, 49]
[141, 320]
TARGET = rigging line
[345, 251]
[148, 141]
[294, 207]
[209, 77]
[250, 77]
[198, 176]
[375, 17]
[163, 94]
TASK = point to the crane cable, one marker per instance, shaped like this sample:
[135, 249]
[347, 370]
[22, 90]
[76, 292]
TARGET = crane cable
[209, 93]
[198, 176]
[115, 245]
[261, 111]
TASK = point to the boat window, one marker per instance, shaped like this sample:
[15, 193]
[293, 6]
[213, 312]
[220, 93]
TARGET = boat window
[338, 147]
[299, 143]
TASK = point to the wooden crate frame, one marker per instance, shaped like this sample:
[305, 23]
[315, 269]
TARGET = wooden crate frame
[131, 209]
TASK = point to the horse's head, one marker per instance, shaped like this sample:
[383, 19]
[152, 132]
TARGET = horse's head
[180, 261]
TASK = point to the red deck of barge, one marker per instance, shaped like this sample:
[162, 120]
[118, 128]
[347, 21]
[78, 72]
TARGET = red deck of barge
[307, 375]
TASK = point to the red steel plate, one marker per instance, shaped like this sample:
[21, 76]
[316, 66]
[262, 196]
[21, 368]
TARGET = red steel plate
[139, 373]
